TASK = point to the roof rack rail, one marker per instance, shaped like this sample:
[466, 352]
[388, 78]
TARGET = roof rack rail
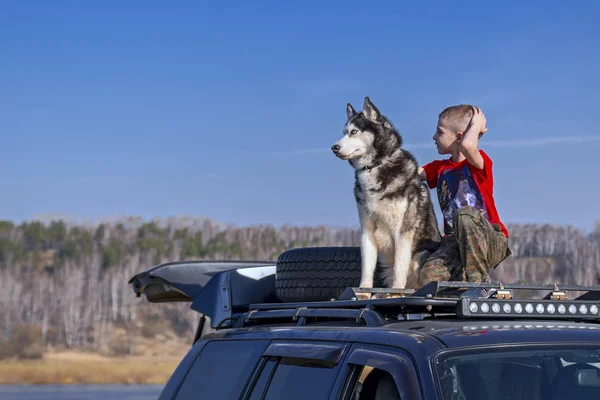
[374, 311]
[301, 314]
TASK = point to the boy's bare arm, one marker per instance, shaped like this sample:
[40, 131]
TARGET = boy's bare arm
[422, 174]
[470, 139]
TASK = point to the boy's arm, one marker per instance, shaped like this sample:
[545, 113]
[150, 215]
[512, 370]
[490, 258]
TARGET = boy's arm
[422, 174]
[470, 139]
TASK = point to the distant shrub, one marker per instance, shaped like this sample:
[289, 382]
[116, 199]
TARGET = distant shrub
[120, 347]
[24, 343]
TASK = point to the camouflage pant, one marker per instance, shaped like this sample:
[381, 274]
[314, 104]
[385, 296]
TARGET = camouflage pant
[467, 255]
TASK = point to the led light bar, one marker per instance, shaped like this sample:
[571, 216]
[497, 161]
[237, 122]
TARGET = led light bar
[528, 308]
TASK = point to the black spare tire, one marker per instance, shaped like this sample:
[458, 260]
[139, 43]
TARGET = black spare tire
[316, 273]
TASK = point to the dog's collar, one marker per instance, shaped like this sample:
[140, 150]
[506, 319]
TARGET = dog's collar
[370, 167]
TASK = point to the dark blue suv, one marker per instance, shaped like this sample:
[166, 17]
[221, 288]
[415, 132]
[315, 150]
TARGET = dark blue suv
[447, 340]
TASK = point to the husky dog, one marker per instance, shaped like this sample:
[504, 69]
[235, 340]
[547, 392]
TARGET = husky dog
[398, 223]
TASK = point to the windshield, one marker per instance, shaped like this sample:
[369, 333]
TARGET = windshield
[521, 373]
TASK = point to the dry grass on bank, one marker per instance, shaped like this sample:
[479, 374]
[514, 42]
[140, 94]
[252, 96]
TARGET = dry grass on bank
[85, 368]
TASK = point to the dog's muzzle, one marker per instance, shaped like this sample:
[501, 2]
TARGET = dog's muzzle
[336, 148]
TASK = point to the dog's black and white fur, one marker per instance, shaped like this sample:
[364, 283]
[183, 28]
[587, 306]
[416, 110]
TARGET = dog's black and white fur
[398, 222]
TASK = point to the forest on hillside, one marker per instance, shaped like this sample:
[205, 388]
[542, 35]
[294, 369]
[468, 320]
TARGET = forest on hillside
[64, 284]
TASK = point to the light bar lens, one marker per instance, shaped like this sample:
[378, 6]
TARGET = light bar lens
[529, 308]
[539, 308]
[514, 307]
[518, 308]
[572, 309]
[562, 309]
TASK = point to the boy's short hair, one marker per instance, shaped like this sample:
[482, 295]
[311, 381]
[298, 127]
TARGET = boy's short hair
[458, 117]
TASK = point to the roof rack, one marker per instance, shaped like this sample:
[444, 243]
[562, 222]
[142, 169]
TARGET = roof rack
[436, 299]
[242, 293]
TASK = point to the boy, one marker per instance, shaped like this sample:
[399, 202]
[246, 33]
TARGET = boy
[475, 239]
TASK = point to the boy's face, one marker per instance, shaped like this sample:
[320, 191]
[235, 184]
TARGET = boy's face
[445, 138]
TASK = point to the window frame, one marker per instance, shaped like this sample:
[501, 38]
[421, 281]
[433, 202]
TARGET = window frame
[393, 360]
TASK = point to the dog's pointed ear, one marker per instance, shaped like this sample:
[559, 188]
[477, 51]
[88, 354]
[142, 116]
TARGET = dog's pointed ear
[350, 111]
[370, 111]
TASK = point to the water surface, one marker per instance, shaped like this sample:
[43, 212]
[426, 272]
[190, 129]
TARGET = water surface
[79, 392]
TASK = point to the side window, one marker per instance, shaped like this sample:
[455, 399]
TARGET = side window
[300, 379]
[221, 370]
[374, 384]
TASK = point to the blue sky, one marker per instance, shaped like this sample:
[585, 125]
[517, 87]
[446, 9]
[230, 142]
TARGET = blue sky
[160, 109]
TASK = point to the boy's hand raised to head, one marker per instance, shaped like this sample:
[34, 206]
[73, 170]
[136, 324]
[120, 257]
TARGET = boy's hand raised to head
[469, 140]
[479, 120]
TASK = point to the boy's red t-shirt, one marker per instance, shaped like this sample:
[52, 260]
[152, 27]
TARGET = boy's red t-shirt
[460, 184]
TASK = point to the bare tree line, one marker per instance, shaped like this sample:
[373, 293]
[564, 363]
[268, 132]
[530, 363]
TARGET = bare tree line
[67, 283]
